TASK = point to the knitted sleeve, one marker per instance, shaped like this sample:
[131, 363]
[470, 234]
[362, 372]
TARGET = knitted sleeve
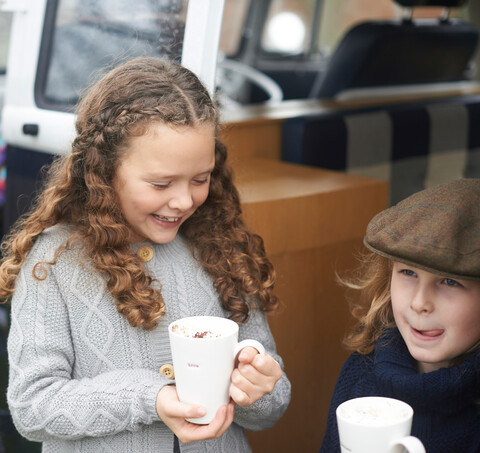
[47, 399]
[265, 412]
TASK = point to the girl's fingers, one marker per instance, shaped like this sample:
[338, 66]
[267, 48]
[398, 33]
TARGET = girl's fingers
[229, 418]
[225, 420]
[244, 392]
[246, 374]
[267, 365]
[248, 379]
[263, 363]
[168, 405]
[243, 399]
[191, 432]
[253, 379]
[188, 411]
[247, 354]
[251, 373]
[173, 413]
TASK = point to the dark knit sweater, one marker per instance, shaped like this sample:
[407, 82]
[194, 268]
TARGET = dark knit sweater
[446, 417]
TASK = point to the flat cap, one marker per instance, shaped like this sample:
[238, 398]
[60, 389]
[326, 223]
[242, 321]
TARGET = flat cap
[436, 229]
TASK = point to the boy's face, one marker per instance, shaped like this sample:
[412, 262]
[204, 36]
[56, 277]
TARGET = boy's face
[438, 317]
[163, 178]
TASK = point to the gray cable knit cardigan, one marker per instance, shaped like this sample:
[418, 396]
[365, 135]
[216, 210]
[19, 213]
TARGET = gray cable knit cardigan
[83, 380]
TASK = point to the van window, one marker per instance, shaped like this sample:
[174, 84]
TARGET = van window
[90, 37]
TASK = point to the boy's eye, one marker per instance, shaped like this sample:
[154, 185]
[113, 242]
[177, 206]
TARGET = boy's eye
[408, 272]
[451, 282]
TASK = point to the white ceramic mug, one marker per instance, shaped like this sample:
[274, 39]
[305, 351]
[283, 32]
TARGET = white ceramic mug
[376, 424]
[203, 352]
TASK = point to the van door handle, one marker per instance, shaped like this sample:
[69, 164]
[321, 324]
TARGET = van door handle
[30, 129]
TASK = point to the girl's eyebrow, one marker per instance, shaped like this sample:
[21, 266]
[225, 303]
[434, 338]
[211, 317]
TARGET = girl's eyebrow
[157, 175]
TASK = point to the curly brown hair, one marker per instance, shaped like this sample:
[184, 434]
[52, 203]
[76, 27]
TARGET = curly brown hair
[79, 192]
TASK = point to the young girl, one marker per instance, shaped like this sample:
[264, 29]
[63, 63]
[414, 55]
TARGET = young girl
[417, 338]
[139, 226]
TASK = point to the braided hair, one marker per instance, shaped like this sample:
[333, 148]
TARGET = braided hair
[79, 192]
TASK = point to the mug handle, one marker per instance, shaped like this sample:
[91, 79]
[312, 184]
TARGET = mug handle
[253, 343]
[411, 443]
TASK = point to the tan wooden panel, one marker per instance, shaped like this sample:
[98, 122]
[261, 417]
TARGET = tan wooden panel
[258, 138]
[298, 207]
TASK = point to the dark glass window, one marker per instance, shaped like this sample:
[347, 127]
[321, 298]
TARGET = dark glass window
[84, 38]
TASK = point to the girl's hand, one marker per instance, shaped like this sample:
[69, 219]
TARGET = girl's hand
[255, 376]
[173, 413]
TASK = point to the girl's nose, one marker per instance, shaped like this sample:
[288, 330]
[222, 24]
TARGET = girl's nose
[422, 301]
[181, 200]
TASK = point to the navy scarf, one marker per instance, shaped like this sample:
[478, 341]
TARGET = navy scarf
[446, 391]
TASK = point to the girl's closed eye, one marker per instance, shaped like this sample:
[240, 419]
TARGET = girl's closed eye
[160, 186]
[202, 180]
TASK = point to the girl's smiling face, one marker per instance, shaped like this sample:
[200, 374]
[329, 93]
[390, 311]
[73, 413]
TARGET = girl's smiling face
[163, 178]
[438, 317]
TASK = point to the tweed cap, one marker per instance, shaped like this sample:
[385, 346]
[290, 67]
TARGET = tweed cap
[437, 230]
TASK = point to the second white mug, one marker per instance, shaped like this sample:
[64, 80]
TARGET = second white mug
[376, 424]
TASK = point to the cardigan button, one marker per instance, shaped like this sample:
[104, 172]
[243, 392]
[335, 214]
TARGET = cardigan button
[167, 371]
[145, 253]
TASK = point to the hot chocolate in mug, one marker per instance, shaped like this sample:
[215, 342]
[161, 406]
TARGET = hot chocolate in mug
[376, 424]
[204, 349]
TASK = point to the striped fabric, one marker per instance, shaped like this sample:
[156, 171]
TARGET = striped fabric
[412, 146]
